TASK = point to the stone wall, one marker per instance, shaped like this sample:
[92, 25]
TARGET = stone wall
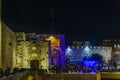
[8, 45]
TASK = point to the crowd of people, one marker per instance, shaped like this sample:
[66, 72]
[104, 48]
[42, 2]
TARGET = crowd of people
[58, 69]
[5, 72]
[82, 69]
[8, 71]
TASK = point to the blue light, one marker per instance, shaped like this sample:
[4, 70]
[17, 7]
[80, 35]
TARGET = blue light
[59, 61]
[89, 63]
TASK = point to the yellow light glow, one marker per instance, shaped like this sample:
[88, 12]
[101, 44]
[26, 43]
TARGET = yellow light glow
[33, 48]
[51, 37]
[34, 56]
[54, 41]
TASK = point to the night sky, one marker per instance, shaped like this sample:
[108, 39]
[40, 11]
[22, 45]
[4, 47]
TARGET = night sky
[91, 20]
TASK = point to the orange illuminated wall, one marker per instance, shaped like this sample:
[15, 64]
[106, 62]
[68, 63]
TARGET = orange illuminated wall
[57, 49]
[54, 41]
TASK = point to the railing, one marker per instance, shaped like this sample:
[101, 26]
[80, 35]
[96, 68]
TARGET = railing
[110, 76]
[62, 76]
[15, 76]
[72, 77]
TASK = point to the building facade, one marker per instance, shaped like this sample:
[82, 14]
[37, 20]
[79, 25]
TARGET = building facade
[29, 48]
[48, 49]
[76, 53]
[57, 49]
[0, 42]
[111, 42]
[115, 44]
[80, 43]
[7, 47]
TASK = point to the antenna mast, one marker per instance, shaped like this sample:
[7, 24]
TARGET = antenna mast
[52, 20]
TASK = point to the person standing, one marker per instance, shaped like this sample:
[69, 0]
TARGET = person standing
[7, 71]
[1, 72]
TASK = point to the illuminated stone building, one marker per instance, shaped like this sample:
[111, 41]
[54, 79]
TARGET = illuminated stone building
[21, 50]
[80, 43]
[112, 43]
[57, 49]
[77, 53]
[0, 42]
[7, 47]
[30, 48]
[115, 44]
[48, 49]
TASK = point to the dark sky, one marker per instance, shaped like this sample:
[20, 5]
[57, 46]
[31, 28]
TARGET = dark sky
[79, 20]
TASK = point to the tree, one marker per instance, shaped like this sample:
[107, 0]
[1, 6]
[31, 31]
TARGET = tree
[97, 57]
[115, 64]
[67, 61]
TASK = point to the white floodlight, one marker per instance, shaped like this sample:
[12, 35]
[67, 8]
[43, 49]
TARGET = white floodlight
[68, 51]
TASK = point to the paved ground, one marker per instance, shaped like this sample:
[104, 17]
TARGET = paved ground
[105, 75]
[30, 77]
[34, 77]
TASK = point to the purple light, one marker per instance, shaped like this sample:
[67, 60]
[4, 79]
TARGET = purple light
[62, 45]
[57, 53]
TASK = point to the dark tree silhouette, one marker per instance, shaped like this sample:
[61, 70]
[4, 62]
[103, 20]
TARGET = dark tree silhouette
[115, 64]
[67, 61]
[97, 57]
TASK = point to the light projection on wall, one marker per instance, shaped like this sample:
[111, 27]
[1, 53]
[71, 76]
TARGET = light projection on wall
[57, 48]
[89, 63]
[54, 41]
[76, 55]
